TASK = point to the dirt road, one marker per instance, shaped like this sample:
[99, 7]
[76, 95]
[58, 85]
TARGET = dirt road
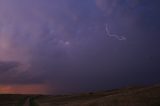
[27, 102]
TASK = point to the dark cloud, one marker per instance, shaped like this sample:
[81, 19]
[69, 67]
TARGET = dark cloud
[8, 70]
[6, 66]
[64, 43]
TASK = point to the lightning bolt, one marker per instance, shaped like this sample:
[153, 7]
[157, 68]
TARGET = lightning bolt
[114, 35]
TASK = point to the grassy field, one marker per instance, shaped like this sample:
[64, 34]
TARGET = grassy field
[137, 96]
[12, 100]
[16, 99]
[133, 96]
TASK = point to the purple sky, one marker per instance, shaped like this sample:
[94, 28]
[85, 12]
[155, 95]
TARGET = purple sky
[69, 46]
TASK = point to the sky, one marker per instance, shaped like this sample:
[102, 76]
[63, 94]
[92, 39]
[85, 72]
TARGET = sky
[72, 46]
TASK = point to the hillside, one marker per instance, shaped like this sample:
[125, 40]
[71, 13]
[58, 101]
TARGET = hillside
[133, 96]
[138, 96]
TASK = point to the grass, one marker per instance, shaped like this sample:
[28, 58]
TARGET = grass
[12, 99]
[137, 96]
[22, 101]
[133, 96]
[33, 102]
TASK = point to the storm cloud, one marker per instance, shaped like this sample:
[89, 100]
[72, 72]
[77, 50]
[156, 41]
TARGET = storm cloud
[64, 44]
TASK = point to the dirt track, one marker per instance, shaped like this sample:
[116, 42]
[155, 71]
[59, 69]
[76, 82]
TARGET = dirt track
[27, 102]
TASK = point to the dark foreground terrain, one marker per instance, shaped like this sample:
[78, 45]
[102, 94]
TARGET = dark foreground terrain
[133, 96]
